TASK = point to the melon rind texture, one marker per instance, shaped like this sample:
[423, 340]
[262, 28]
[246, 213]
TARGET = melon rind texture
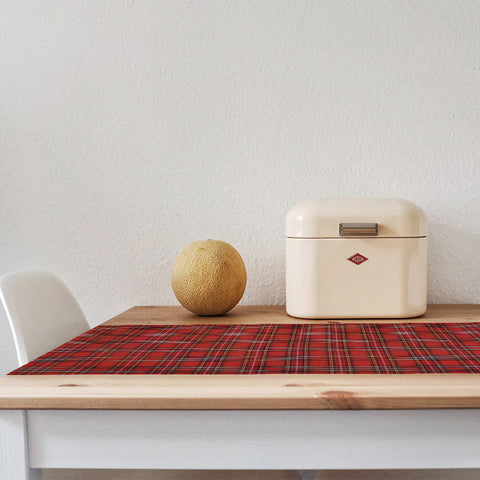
[209, 277]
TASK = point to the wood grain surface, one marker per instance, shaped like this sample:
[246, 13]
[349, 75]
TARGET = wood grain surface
[249, 314]
[224, 392]
[152, 392]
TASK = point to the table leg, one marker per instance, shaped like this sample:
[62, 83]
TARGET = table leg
[14, 459]
[307, 474]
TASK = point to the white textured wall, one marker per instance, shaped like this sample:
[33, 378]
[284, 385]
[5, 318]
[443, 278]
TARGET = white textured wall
[129, 129]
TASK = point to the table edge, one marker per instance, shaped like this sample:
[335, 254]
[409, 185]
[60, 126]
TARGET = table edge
[245, 392]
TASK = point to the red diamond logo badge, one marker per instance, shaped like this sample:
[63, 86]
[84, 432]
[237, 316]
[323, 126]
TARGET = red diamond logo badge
[357, 259]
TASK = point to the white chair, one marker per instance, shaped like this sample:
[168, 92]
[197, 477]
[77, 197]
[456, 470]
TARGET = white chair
[42, 312]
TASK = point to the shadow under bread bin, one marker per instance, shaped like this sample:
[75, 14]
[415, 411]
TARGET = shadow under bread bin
[356, 258]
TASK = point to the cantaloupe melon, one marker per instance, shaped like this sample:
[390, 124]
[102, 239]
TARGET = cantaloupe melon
[209, 277]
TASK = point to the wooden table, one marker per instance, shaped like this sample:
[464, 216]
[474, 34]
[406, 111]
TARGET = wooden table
[302, 422]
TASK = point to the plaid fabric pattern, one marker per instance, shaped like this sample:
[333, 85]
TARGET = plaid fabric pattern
[267, 349]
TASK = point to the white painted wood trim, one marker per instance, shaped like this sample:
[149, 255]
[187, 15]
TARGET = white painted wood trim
[300, 440]
[14, 464]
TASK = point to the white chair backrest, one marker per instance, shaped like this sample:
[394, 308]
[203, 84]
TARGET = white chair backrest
[42, 312]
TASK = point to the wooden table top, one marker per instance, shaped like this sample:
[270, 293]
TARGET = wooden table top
[316, 392]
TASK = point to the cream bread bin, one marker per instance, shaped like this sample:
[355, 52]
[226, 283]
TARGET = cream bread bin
[356, 258]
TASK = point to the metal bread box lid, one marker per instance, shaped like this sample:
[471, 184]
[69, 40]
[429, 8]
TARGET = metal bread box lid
[355, 217]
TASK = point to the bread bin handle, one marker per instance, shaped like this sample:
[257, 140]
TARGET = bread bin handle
[358, 229]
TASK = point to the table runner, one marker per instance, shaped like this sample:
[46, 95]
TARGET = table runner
[319, 348]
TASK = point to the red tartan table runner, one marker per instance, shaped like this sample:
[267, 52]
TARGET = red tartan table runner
[267, 348]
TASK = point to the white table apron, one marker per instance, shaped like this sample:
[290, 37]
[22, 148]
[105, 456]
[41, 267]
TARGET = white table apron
[237, 439]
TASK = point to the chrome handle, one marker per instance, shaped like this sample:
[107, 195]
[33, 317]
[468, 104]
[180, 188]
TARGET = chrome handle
[358, 229]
